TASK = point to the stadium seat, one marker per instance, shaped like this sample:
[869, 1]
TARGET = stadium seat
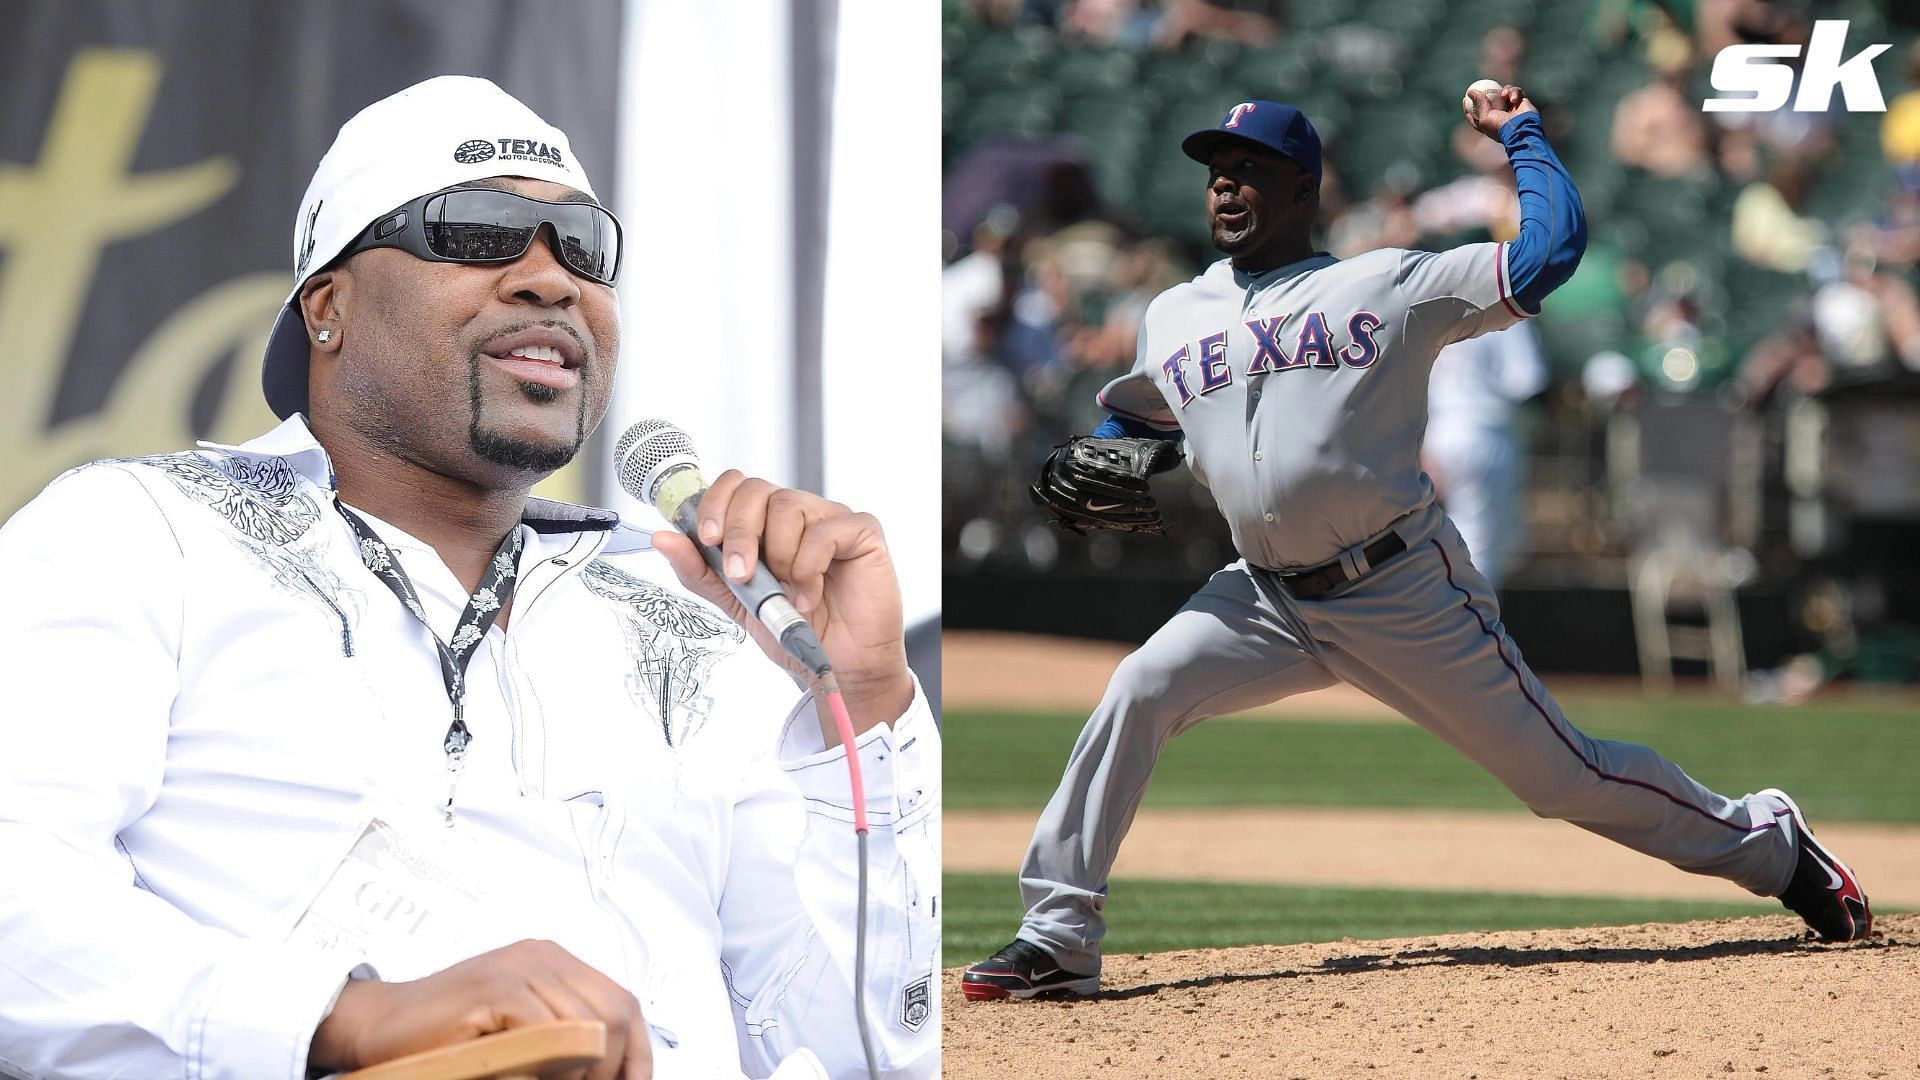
[1183, 74]
[1187, 113]
[1673, 213]
[1380, 137]
[1759, 302]
[1412, 20]
[1172, 204]
[1672, 461]
[1849, 189]
[1570, 341]
[1564, 25]
[953, 102]
[1357, 57]
[1599, 186]
[1484, 15]
[1018, 112]
[1116, 138]
[1124, 118]
[1093, 70]
[1004, 58]
[1305, 16]
[1282, 72]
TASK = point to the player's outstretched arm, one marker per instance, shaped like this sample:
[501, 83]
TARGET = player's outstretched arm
[1553, 225]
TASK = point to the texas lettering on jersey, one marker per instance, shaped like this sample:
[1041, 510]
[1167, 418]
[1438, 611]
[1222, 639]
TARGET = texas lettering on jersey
[1278, 345]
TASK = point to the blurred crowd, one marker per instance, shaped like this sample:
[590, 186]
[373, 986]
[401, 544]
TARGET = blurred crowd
[1141, 24]
[1747, 263]
[1839, 283]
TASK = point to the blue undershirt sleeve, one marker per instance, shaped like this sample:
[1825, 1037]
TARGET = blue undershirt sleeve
[1119, 427]
[1553, 225]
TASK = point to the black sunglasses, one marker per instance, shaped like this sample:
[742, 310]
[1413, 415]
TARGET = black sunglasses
[486, 225]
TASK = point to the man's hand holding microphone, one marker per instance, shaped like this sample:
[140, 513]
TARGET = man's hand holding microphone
[844, 611]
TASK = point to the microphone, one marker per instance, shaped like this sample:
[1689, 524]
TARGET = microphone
[656, 464]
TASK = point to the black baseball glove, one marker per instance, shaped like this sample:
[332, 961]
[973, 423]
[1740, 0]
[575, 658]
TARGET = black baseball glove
[1089, 483]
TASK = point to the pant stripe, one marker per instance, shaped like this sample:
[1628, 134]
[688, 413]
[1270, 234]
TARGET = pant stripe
[1520, 681]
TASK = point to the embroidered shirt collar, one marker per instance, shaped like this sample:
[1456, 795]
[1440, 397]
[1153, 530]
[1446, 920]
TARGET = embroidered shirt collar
[293, 442]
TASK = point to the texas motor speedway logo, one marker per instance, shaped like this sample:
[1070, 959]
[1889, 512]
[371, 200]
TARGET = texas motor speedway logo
[475, 151]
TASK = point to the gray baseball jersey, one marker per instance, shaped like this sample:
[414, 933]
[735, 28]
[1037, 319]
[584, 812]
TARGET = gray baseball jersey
[1303, 390]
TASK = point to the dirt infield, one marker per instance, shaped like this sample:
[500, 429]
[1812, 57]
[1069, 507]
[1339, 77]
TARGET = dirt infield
[999, 670]
[1710, 999]
[1036, 672]
[1415, 849]
[1412, 849]
[1750, 996]
[996, 670]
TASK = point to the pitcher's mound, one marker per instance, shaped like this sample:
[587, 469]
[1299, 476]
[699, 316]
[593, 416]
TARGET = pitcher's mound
[1752, 997]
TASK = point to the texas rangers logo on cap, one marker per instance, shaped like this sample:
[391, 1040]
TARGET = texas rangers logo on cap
[1279, 127]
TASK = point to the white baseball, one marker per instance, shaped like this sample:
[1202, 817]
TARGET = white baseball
[1484, 85]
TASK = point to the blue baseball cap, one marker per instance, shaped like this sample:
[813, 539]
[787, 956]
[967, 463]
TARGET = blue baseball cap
[1280, 128]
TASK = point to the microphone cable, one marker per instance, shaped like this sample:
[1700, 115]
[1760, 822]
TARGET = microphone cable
[830, 687]
[656, 464]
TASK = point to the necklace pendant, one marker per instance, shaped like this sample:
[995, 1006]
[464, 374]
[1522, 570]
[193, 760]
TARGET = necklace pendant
[456, 761]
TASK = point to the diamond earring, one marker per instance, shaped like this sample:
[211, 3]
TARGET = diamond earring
[324, 336]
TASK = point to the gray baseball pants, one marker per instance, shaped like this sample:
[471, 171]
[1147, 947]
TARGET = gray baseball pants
[1422, 634]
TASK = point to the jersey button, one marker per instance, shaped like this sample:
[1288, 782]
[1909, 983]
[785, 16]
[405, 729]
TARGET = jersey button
[1256, 455]
[1269, 517]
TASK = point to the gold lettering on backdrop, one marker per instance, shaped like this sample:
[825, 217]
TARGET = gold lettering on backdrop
[56, 217]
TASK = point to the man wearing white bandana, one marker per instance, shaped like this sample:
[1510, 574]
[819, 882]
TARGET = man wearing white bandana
[337, 745]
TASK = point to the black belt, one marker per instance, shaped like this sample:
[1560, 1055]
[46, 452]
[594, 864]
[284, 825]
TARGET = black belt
[1318, 581]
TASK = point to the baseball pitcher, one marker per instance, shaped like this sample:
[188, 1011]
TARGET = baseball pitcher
[1295, 384]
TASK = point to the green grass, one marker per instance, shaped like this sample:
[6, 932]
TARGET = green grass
[982, 911]
[1851, 763]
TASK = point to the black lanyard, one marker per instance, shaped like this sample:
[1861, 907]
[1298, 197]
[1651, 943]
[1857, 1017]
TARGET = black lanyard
[483, 607]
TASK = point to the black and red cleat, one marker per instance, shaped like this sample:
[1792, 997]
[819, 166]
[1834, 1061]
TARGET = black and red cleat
[1023, 970]
[1823, 891]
